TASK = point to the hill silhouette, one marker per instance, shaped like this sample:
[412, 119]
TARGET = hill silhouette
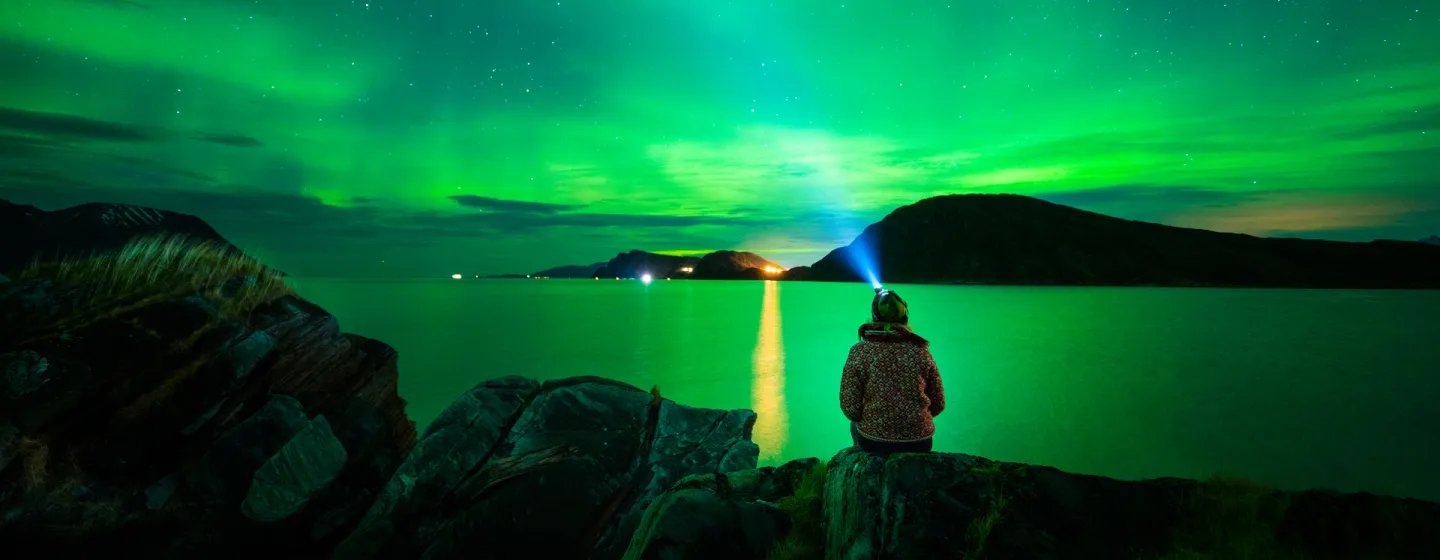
[32, 233]
[571, 271]
[1012, 239]
[733, 265]
[639, 263]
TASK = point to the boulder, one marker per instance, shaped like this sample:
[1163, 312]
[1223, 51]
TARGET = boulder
[947, 505]
[224, 473]
[453, 447]
[686, 440]
[288, 481]
[560, 469]
[719, 515]
[703, 517]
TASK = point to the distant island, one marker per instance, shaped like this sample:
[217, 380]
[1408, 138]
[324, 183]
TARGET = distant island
[571, 271]
[719, 265]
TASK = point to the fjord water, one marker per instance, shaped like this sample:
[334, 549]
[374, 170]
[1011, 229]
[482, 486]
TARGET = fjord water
[1295, 388]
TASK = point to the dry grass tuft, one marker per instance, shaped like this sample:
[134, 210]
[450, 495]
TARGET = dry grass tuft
[154, 267]
[36, 457]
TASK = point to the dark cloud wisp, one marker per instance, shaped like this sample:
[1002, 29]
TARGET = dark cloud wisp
[57, 125]
[501, 205]
[237, 140]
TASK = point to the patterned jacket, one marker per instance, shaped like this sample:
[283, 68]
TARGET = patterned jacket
[891, 386]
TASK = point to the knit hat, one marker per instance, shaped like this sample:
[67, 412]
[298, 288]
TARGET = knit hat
[887, 307]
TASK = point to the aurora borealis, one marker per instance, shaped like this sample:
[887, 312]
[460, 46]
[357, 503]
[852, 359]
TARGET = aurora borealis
[397, 138]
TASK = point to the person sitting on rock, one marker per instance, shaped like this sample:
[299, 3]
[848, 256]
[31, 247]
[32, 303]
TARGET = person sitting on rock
[890, 388]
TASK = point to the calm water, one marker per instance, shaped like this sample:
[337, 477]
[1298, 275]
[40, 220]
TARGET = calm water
[1299, 389]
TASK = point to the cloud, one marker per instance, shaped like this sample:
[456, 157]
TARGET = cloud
[292, 217]
[797, 169]
[40, 179]
[1157, 195]
[20, 146]
[41, 129]
[238, 140]
[528, 222]
[1414, 121]
[501, 205]
[75, 127]
[1407, 226]
[116, 4]
[1011, 176]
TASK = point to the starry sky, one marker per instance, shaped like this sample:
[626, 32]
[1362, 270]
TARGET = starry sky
[424, 137]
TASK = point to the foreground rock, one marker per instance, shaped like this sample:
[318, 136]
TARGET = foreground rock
[563, 469]
[721, 516]
[170, 425]
[945, 505]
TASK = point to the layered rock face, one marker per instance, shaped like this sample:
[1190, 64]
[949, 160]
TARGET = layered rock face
[165, 426]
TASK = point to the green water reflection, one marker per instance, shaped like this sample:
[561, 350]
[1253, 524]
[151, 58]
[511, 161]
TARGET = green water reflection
[1290, 387]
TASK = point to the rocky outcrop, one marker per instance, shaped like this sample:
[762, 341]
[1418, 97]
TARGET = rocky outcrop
[563, 469]
[722, 516]
[1432, 240]
[1011, 239]
[945, 505]
[168, 425]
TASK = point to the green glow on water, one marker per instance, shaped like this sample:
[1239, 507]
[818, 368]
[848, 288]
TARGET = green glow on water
[1297, 388]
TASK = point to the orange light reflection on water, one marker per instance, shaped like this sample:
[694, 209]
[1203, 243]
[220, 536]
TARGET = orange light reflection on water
[767, 393]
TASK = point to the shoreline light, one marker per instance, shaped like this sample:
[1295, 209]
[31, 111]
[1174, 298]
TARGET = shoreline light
[646, 278]
[457, 276]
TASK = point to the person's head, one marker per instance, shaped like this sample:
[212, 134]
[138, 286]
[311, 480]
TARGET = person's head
[887, 307]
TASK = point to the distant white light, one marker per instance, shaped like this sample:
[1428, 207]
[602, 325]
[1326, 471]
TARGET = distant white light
[457, 276]
[646, 278]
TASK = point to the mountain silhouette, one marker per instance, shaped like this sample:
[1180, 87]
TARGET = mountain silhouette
[1012, 239]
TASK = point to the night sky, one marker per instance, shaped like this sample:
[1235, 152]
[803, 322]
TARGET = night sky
[420, 138]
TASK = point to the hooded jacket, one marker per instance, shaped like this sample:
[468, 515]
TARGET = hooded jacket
[891, 386]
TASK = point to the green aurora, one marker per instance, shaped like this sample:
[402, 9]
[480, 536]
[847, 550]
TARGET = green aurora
[405, 138]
